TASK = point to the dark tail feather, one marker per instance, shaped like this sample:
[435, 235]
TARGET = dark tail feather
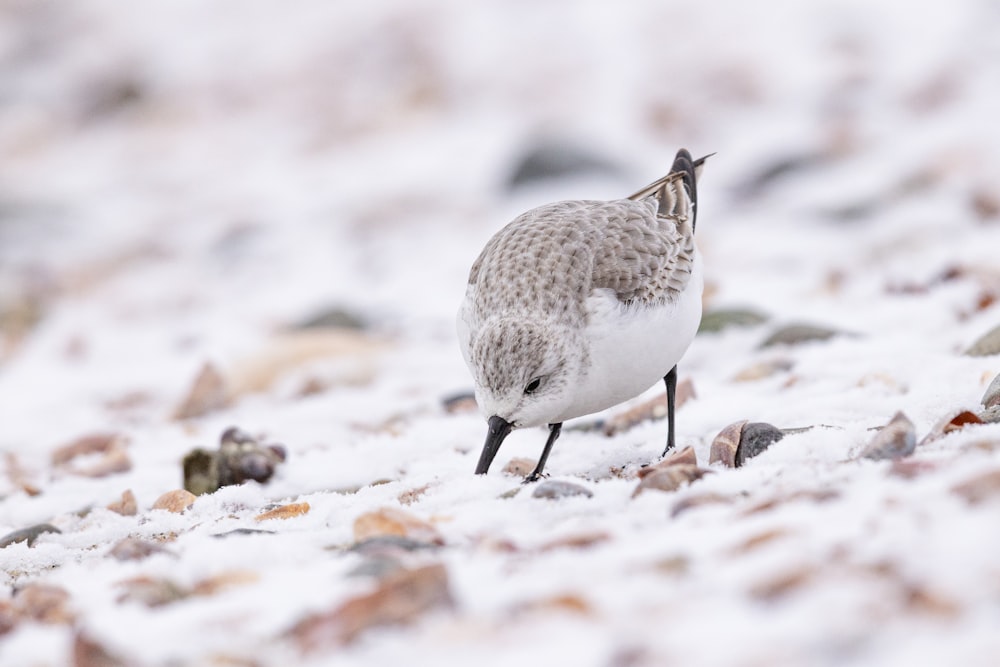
[684, 165]
[684, 170]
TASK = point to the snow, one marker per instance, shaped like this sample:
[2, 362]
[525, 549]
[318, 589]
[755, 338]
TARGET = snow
[182, 182]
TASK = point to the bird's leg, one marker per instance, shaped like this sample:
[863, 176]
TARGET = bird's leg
[670, 379]
[554, 430]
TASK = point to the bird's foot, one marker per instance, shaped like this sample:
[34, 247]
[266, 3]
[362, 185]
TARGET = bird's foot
[533, 477]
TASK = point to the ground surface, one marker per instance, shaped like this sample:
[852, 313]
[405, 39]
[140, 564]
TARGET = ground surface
[187, 184]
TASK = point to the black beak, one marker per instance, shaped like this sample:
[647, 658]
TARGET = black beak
[499, 429]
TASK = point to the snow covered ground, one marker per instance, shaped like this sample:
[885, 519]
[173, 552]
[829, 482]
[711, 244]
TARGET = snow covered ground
[186, 183]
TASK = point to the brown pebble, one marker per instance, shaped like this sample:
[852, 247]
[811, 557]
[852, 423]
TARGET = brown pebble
[670, 478]
[725, 444]
[979, 488]
[133, 548]
[519, 466]
[208, 393]
[685, 457]
[652, 410]
[763, 369]
[400, 599]
[109, 447]
[567, 602]
[126, 505]
[782, 585]
[88, 652]
[700, 500]
[951, 424]
[579, 541]
[284, 512]
[44, 603]
[555, 489]
[394, 521]
[175, 501]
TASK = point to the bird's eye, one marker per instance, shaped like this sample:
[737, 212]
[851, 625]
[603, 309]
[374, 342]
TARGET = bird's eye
[532, 386]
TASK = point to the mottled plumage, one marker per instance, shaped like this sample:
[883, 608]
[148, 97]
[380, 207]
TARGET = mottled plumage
[578, 305]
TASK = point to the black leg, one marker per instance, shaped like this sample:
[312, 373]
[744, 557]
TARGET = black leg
[554, 430]
[670, 379]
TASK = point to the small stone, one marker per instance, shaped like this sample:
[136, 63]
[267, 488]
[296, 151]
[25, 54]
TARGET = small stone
[377, 567]
[151, 591]
[44, 603]
[725, 445]
[284, 512]
[400, 599]
[894, 440]
[950, 424]
[699, 500]
[331, 317]
[461, 403]
[796, 334]
[88, 652]
[992, 396]
[133, 548]
[754, 439]
[554, 489]
[519, 467]
[201, 471]
[175, 501]
[126, 505]
[550, 160]
[208, 393]
[723, 318]
[393, 521]
[685, 456]
[381, 545]
[986, 345]
[979, 488]
[224, 581]
[109, 448]
[670, 478]
[763, 369]
[28, 535]
[651, 410]
[578, 541]
[243, 531]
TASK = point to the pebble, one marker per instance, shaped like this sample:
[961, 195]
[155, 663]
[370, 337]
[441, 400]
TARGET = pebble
[28, 535]
[400, 599]
[718, 320]
[796, 334]
[394, 521]
[893, 441]
[208, 393]
[382, 544]
[741, 441]
[670, 478]
[126, 505]
[240, 458]
[554, 489]
[979, 488]
[284, 512]
[175, 501]
[133, 548]
[986, 345]
[992, 396]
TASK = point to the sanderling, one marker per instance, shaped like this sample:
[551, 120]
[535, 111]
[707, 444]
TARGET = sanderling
[577, 306]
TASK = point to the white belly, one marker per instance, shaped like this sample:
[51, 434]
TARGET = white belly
[632, 350]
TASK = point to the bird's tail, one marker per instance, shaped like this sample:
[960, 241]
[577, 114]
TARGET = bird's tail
[673, 200]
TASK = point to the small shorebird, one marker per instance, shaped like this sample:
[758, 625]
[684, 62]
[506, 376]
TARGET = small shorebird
[577, 306]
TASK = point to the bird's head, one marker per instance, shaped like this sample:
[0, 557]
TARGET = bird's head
[525, 372]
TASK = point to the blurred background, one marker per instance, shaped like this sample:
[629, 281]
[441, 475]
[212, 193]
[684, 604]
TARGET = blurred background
[178, 180]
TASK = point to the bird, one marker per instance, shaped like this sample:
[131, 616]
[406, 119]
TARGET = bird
[576, 306]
